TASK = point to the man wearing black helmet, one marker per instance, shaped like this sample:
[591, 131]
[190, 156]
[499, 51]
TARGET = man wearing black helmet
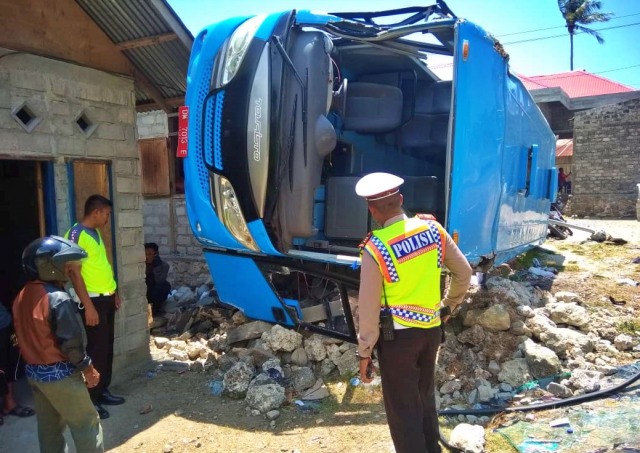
[52, 342]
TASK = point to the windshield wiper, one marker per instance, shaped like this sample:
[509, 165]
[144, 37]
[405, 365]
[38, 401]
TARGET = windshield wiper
[285, 56]
[291, 140]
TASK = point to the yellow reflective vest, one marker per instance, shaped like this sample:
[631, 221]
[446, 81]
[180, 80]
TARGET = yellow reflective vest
[410, 255]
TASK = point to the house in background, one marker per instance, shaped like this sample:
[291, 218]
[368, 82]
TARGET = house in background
[560, 96]
[596, 123]
[73, 73]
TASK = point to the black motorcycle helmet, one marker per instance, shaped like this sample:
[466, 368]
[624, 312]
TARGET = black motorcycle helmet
[44, 258]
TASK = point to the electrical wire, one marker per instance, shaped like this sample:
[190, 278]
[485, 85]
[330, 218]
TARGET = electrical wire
[559, 26]
[565, 34]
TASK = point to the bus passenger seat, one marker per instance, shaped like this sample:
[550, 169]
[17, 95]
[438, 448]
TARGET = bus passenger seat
[425, 136]
[372, 108]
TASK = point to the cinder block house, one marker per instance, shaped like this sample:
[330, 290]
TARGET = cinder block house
[73, 74]
[596, 121]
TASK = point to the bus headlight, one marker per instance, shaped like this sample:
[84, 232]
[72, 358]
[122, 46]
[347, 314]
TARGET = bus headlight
[234, 51]
[231, 215]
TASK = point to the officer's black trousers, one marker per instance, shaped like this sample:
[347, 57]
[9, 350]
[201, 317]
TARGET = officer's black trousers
[407, 366]
[100, 342]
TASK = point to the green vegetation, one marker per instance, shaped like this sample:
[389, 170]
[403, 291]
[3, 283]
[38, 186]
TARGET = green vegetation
[631, 327]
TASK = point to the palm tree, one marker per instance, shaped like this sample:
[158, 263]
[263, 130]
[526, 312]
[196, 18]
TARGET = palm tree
[576, 13]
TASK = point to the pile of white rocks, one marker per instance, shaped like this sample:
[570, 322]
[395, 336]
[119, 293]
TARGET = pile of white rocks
[513, 337]
[506, 338]
[261, 363]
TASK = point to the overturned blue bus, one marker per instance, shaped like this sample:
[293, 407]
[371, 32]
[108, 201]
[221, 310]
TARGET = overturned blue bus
[288, 110]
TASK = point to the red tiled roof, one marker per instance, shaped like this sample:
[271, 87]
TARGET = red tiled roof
[564, 147]
[576, 84]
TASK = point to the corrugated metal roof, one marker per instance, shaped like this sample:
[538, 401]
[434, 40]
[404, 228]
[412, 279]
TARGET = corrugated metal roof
[163, 64]
[575, 84]
[564, 147]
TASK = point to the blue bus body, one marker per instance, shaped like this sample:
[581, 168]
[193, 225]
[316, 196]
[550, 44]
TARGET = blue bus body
[287, 111]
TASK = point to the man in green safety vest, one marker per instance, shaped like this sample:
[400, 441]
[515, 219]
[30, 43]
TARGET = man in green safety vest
[95, 286]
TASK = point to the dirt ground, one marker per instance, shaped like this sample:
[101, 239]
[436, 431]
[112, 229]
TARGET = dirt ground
[185, 417]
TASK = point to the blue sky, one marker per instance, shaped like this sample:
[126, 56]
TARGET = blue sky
[617, 59]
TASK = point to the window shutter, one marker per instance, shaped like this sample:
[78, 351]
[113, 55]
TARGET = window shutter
[154, 159]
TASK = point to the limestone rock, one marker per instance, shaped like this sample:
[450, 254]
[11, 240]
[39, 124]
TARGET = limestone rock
[326, 367]
[265, 398]
[515, 372]
[525, 311]
[586, 380]
[236, 380]
[623, 342]
[566, 296]
[218, 342]
[564, 340]
[333, 353]
[177, 344]
[568, 313]
[539, 323]
[348, 363]
[486, 392]
[315, 348]
[160, 342]
[468, 438]
[450, 386]
[474, 335]
[559, 390]
[177, 354]
[239, 318]
[248, 331]
[299, 357]
[542, 361]
[302, 378]
[196, 350]
[495, 318]
[511, 292]
[494, 367]
[281, 339]
[272, 415]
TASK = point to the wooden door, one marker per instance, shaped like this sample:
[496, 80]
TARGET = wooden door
[90, 177]
[154, 159]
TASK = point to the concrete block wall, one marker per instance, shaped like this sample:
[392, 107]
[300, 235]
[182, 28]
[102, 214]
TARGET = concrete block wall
[166, 224]
[152, 124]
[606, 160]
[58, 93]
[188, 266]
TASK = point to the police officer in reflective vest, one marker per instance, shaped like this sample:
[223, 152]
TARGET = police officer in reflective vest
[400, 309]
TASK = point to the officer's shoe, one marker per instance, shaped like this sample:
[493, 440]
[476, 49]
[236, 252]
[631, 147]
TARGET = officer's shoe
[110, 400]
[102, 412]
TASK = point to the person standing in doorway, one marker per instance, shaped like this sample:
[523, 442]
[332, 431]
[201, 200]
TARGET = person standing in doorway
[95, 286]
[401, 309]
[52, 342]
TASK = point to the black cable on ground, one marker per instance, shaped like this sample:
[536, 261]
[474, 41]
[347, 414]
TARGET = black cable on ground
[535, 407]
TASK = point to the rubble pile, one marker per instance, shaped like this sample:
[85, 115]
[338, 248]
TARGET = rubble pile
[517, 344]
[511, 343]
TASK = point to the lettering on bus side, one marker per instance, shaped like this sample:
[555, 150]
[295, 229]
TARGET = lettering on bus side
[257, 129]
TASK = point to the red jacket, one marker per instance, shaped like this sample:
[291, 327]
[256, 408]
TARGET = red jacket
[48, 326]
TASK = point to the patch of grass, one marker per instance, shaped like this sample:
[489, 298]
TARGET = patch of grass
[525, 260]
[631, 327]
[570, 267]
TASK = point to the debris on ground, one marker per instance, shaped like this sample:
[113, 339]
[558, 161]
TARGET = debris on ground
[505, 337]
[518, 340]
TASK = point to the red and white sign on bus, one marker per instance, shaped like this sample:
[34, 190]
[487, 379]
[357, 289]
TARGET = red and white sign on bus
[183, 131]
